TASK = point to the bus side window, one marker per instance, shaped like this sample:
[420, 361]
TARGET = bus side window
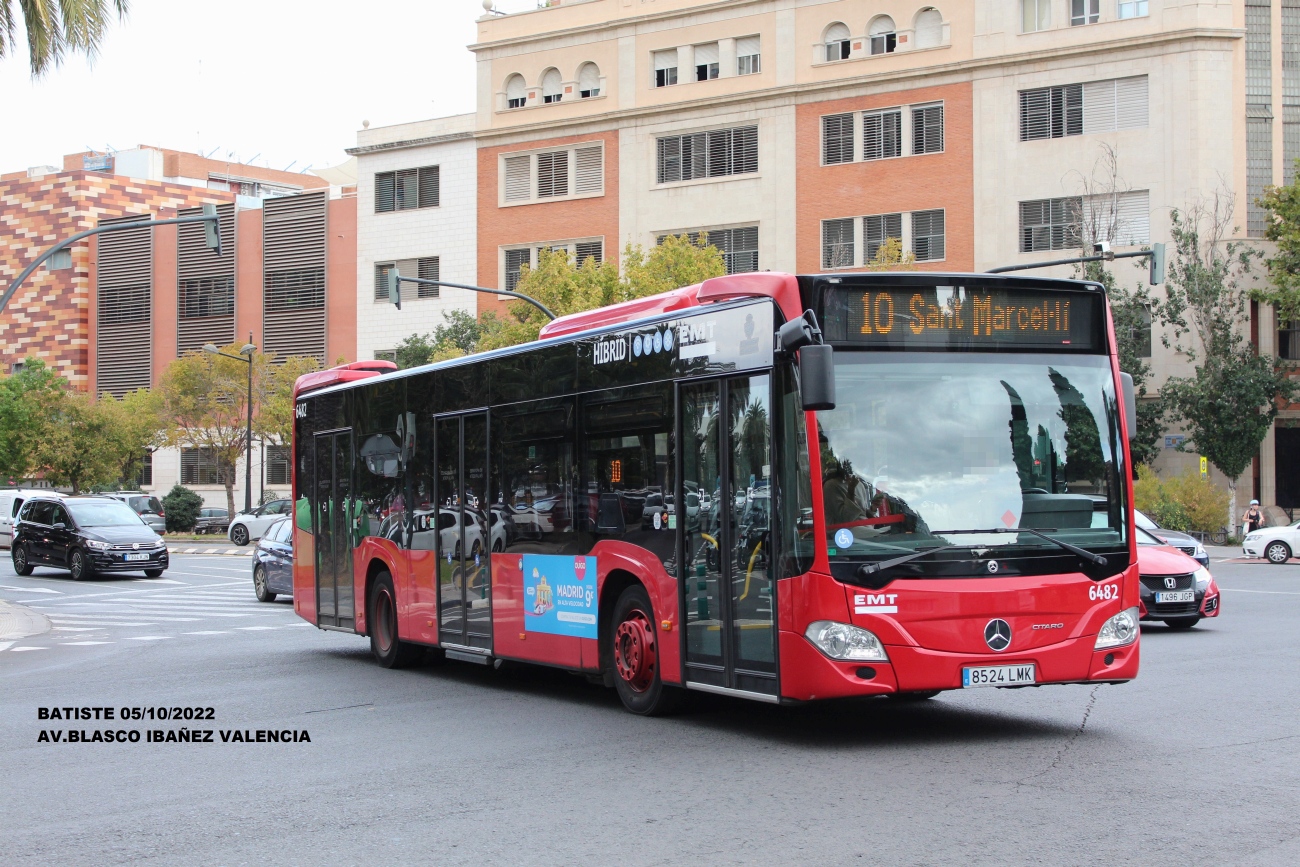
[627, 491]
[534, 478]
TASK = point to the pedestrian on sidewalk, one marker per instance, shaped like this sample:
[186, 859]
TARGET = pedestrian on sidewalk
[1253, 517]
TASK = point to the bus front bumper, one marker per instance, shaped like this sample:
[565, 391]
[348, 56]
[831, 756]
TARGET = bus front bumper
[807, 674]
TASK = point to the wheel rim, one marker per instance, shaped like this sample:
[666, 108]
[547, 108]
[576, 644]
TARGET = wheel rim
[20, 558]
[241, 536]
[634, 651]
[1277, 554]
[76, 566]
[259, 581]
[384, 620]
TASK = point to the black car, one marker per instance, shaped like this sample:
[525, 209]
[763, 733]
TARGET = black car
[212, 520]
[85, 535]
[273, 562]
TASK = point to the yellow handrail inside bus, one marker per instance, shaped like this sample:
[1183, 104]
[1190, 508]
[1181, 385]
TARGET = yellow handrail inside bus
[750, 570]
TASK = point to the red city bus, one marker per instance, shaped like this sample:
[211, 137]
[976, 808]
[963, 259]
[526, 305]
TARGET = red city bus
[700, 490]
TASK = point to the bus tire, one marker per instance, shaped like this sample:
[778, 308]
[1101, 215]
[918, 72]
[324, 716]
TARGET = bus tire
[632, 652]
[389, 650]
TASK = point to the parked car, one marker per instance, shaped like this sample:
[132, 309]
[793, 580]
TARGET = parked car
[1183, 542]
[1174, 588]
[212, 520]
[85, 535]
[1274, 544]
[10, 503]
[145, 505]
[273, 562]
[251, 525]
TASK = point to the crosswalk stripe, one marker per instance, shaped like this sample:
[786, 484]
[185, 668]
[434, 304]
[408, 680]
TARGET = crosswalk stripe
[84, 643]
[251, 628]
[147, 637]
[20, 649]
[208, 632]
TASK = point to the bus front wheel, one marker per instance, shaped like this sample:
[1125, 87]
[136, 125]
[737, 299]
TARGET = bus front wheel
[389, 651]
[633, 653]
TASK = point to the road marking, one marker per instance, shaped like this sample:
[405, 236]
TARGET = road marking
[252, 628]
[162, 581]
[1271, 592]
[208, 632]
[84, 643]
[74, 629]
[147, 637]
[5, 645]
[31, 589]
[20, 649]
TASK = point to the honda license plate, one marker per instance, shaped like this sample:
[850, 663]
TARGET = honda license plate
[1177, 596]
[141, 556]
[997, 675]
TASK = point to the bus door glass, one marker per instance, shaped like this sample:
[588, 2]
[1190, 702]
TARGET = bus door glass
[461, 516]
[333, 523]
[729, 589]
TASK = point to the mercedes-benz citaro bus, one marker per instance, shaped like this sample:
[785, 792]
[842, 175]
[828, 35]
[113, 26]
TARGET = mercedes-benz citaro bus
[783, 488]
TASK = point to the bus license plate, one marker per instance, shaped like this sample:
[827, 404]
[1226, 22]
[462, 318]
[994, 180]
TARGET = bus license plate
[1177, 596]
[997, 675]
[135, 557]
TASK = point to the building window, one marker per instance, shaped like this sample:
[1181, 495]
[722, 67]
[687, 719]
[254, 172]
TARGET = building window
[1049, 224]
[1123, 219]
[706, 61]
[206, 296]
[60, 261]
[588, 81]
[386, 355]
[929, 28]
[516, 258]
[747, 55]
[577, 171]
[277, 465]
[426, 268]
[516, 91]
[199, 467]
[407, 189]
[927, 235]
[1288, 341]
[877, 229]
[1132, 9]
[1084, 12]
[836, 41]
[1084, 109]
[739, 248]
[665, 67]
[883, 38]
[145, 479]
[1259, 165]
[713, 154]
[882, 134]
[837, 139]
[927, 129]
[1142, 333]
[552, 86]
[1036, 15]
[837, 243]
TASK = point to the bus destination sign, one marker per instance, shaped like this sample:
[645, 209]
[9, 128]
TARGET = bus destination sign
[954, 317]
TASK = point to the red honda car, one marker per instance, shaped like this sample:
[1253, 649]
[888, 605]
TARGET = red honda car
[1175, 588]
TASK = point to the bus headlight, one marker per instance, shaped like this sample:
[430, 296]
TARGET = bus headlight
[1120, 630]
[843, 641]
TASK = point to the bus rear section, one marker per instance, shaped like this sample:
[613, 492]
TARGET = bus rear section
[644, 497]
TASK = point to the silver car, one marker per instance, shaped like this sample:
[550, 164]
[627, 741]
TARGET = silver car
[146, 506]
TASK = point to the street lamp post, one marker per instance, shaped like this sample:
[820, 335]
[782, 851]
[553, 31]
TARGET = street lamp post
[246, 355]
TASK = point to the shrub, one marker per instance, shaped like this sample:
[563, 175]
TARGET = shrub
[1186, 502]
[182, 507]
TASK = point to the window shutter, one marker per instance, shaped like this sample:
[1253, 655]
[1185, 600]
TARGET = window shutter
[927, 129]
[427, 268]
[552, 86]
[515, 260]
[695, 156]
[429, 187]
[584, 250]
[384, 192]
[589, 79]
[747, 55]
[665, 59]
[1131, 102]
[1133, 218]
[1099, 106]
[515, 88]
[518, 179]
[747, 45]
[552, 174]
[1035, 111]
[589, 170]
[744, 149]
[719, 153]
[669, 159]
[706, 53]
[837, 139]
[882, 134]
[293, 275]
[929, 29]
[381, 280]
[927, 235]
[739, 248]
[876, 230]
[837, 243]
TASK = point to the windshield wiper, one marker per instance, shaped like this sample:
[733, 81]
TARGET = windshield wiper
[1096, 559]
[872, 568]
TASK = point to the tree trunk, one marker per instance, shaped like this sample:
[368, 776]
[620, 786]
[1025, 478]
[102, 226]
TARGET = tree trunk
[1232, 507]
[228, 479]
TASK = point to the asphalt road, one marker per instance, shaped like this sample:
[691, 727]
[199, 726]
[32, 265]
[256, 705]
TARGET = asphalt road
[1194, 763]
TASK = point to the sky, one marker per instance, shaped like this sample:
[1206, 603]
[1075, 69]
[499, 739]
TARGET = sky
[288, 83]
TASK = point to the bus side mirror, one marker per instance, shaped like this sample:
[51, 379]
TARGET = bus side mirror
[817, 377]
[1130, 404]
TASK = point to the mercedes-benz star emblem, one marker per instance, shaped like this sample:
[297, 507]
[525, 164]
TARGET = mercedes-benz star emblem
[992, 566]
[997, 635]
[1171, 583]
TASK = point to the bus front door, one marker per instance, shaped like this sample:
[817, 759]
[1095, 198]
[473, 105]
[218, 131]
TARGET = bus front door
[333, 523]
[464, 589]
[724, 520]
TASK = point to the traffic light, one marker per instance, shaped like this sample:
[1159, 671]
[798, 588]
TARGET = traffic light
[212, 228]
[1157, 263]
[395, 287]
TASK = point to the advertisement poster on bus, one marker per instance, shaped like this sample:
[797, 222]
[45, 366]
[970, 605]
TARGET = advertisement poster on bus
[560, 595]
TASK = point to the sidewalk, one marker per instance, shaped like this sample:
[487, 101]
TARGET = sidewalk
[19, 622]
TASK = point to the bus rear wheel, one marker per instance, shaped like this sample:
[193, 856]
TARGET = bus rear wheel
[389, 650]
[633, 654]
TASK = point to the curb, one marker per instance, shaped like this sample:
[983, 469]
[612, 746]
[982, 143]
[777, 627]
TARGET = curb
[225, 552]
[19, 622]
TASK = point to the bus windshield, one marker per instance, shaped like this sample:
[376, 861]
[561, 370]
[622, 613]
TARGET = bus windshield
[923, 443]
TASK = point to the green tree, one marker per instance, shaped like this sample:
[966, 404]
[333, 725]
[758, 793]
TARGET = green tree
[1283, 206]
[138, 427]
[182, 507]
[56, 28]
[890, 256]
[82, 443]
[26, 401]
[1230, 402]
[459, 334]
[273, 381]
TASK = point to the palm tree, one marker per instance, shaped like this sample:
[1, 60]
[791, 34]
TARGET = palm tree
[56, 27]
